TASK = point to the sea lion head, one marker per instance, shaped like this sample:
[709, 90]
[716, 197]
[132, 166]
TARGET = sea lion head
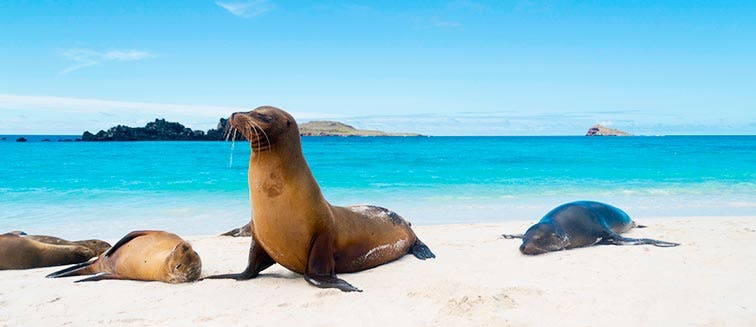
[184, 264]
[542, 238]
[98, 246]
[265, 126]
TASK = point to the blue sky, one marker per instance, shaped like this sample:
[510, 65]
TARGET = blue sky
[442, 68]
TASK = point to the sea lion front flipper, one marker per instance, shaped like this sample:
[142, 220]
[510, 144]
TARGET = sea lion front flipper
[512, 236]
[100, 276]
[259, 260]
[321, 266]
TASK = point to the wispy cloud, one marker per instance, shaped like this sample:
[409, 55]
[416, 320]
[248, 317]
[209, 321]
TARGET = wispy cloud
[44, 114]
[82, 58]
[247, 9]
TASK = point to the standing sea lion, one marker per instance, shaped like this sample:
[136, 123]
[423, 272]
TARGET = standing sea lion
[142, 255]
[295, 226]
[19, 252]
[579, 224]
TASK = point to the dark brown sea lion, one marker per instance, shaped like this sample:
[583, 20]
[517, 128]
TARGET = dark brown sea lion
[98, 246]
[579, 224]
[243, 231]
[296, 227]
[19, 252]
[142, 255]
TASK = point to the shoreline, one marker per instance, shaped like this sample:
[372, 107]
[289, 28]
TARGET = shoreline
[478, 278]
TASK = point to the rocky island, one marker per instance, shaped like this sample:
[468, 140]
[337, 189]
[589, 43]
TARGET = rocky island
[162, 130]
[601, 130]
[334, 128]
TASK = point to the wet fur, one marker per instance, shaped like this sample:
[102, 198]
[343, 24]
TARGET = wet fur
[580, 224]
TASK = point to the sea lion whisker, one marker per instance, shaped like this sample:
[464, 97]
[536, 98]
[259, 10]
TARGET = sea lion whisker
[267, 140]
[257, 138]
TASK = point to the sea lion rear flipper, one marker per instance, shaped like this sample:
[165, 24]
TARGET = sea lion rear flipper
[512, 236]
[321, 266]
[234, 232]
[616, 239]
[100, 276]
[126, 239]
[75, 270]
[421, 251]
[259, 260]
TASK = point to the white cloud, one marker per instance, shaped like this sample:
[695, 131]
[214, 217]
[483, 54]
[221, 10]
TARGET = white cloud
[66, 115]
[248, 9]
[85, 57]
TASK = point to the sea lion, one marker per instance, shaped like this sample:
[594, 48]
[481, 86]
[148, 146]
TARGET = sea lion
[19, 252]
[295, 226]
[98, 246]
[579, 224]
[244, 231]
[142, 255]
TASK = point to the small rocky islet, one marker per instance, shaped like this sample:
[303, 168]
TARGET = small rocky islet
[601, 130]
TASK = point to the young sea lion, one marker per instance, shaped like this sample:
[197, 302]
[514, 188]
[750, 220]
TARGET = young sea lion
[579, 224]
[295, 226]
[142, 255]
[19, 252]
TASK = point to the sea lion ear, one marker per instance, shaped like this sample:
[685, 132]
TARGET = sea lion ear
[181, 248]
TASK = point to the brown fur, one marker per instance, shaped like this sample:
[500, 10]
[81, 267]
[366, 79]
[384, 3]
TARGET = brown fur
[18, 252]
[98, 246]
[294, 224]
[144, 255]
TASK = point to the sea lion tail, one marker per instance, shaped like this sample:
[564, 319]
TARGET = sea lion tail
[83, 268]
[421, 251]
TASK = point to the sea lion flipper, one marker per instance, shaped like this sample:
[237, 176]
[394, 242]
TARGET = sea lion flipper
[234, 232]
[100, 276]
[512, 236]
[126, 239]
[616, 239]
[75, 270]
[259, 260]
[421, 251]
[331, 282]
[321, 266]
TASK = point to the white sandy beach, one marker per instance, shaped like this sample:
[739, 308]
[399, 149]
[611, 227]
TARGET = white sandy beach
[478, 279]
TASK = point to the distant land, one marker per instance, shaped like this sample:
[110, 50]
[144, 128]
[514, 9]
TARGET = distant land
[162, 130]
[601, 130]
[334, 128]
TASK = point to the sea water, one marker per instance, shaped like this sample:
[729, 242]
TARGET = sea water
[106, 189]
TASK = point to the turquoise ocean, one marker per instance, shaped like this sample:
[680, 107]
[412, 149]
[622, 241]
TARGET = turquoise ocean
[104, 190]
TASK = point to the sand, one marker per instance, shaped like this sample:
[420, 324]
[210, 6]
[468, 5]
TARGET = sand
[478, 279]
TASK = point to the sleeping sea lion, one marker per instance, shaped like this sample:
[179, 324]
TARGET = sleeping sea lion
[19, 252]
[142, 255]
[579, 224]
[98, 246]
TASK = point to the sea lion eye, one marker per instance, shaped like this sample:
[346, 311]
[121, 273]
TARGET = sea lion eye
[288, 123]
